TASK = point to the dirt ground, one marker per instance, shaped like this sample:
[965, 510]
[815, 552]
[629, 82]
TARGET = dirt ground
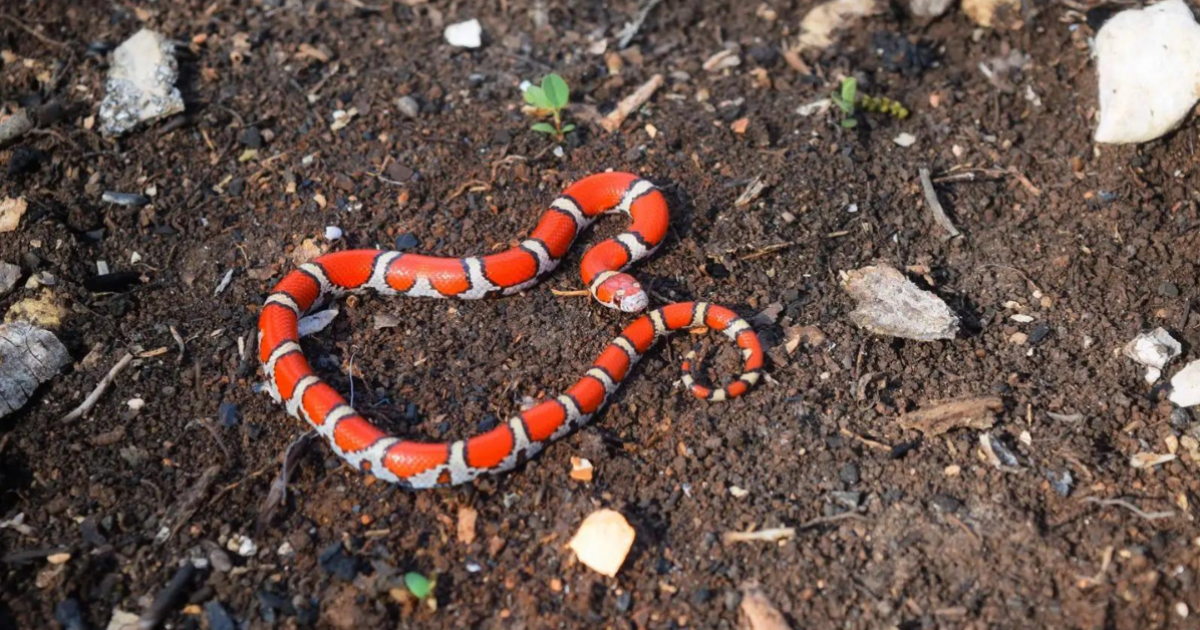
[894, 530]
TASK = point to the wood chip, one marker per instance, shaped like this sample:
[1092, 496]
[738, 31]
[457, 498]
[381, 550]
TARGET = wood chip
[581, 469]
[602, 542]
[1150, 460]
[972, 413]
[466, 524]
[11, 211]
[758, 612]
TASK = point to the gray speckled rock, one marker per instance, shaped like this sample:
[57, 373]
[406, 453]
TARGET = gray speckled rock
[29, 356]
[890, 304]
[9, 274]
[141, 83]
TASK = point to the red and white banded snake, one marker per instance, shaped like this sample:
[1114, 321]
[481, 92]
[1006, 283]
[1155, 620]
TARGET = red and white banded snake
[416, 464]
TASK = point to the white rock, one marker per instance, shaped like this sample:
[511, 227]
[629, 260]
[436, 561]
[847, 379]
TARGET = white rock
[905, 139]
[1149, 65]
[122, 620]
[929, 8]
[889, 304]
[1185, 385]
[332, 232]
[1154, 350]
[9, 274]
[603, 540]
[315, 323]
[467, 34]
[141, 83]
[819, 106]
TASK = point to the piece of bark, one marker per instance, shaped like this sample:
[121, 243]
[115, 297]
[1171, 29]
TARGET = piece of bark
[973, 413]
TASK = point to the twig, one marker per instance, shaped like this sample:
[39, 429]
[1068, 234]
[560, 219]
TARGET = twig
[773, 534]
[278, 492]
[935, 206]
[575, 293]
[631, 103]
[191, 501]
[626, 35]
[94, 397]
[166, 599]
[42, 38]
[973, 175]
[179, 341]
[769, 249]
[879, 446]
[752, 192]
[1149, 516]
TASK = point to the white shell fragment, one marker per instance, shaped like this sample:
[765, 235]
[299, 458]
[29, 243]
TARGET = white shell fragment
[603, 541]
[1185, 385]
[467, 34]
[1149, 65]
[1154, 350]
[141, 83]
[889, 304]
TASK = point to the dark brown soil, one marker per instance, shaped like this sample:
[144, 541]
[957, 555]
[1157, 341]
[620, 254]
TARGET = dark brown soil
[1094, 243]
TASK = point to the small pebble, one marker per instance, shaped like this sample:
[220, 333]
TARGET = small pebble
[332, 232]
[251, 137]
[624, 601]
[124, 199]
[945, 503]
[408, 106]
[1168, 289]
[406, 241]
[849, 474]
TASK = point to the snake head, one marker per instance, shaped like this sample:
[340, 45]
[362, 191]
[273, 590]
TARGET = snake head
[621, 291]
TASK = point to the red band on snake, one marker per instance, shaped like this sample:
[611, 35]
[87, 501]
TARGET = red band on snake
[417, 464]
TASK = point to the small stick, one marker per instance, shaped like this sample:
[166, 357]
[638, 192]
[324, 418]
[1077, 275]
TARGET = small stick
[1149, 516]
[94, 397]
[166, 599]
[769, 249]
[631, 103]
[575, 293]
[179, 342]
[773, 534]
[42, 38]
[935, 206]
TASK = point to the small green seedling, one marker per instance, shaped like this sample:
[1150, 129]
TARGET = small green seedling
[848, 100]
[550, 98]
[844, 99]
[419, 585]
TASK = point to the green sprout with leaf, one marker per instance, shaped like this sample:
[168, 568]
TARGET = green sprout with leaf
[848, 100]
[550, 98]
[845, 100]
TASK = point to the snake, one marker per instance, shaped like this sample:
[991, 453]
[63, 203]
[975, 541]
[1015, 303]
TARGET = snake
[418, 464]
